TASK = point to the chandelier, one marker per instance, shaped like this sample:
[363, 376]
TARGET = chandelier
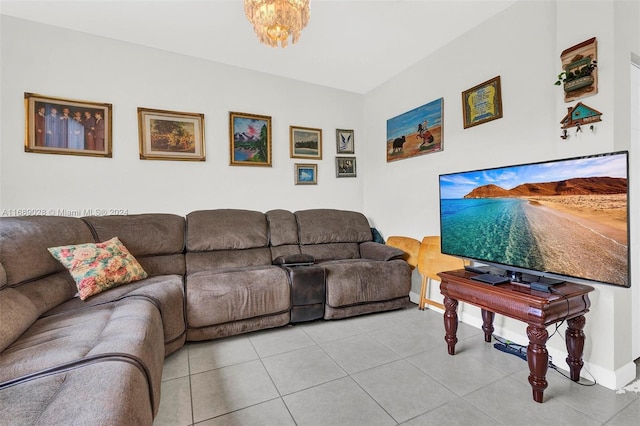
[275, 20]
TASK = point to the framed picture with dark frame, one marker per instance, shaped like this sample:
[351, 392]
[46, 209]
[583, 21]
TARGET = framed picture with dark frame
[306, 174]
[305, 142]
[249, 139]
[67, 126]
[171, 135]
[345, 143]
[345, 167]
[482, 103]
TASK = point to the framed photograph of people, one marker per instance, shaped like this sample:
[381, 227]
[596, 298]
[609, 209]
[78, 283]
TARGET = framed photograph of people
[305, 142]
[171, 135]
[345, 166]
[306, 174]
[249, 139]
[482, 103]
[66, 126]
[345, 143]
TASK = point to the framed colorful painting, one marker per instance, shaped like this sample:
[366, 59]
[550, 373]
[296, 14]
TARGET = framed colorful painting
[249, 139]
[306, 174]
[416, 132]
[482, 103]
[66, 126]
[305, 142]
[171, 135]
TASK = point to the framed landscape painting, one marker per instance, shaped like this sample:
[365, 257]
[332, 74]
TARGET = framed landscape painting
[416, 132]
[170, 135]
[66, 126]
[249, 139]
[306, 174]
[305, 142]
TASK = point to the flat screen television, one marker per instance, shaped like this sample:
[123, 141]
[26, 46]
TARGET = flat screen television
[563, 219]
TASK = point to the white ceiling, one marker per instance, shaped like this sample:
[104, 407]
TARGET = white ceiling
[350, 45]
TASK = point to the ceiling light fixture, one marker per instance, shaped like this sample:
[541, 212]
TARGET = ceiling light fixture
[275, 20]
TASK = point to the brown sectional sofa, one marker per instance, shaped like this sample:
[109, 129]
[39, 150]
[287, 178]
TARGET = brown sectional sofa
[212, 274]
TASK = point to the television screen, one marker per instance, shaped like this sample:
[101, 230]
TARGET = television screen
[561, 219]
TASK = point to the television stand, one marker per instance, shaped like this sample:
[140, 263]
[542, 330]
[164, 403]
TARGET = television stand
[567, 301]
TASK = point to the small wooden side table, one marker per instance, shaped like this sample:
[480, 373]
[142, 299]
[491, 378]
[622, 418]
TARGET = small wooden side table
[567, 301]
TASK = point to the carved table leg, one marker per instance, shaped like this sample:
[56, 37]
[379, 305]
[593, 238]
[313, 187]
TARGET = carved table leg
[487, 324]
[450, 323]
[575, 345]
[538, 360]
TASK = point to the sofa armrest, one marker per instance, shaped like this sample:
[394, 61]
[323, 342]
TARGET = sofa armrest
[377, 251]
[294, 259]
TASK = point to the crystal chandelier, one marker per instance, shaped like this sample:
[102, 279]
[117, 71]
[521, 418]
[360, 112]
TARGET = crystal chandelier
[275, 20]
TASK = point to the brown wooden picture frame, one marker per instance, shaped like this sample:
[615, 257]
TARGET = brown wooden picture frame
[171, 135]
[67, 126]
[249, 139]
[482, 103]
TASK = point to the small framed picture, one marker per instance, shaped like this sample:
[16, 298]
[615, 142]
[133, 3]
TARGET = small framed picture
[65, 126]
[306, 174]
[171, 135]
[249, 139]
[345, 167]
[305, 142]
[344, 141]
[482, 103]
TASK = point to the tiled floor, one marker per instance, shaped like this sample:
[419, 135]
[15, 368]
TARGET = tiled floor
[380, 369]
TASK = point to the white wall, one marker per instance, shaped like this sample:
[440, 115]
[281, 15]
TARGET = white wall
[56, 62]
[523, 46]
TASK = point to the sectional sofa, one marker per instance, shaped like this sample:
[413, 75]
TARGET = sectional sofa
[211, 274]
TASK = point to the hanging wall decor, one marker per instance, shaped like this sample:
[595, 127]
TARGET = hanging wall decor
[171, 135]
[416, 132]
[482, 103]
[249, 139]
[66, 126]
[579, 75]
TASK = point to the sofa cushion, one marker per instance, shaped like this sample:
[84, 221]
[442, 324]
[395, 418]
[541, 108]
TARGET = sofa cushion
[165, 291]
[353, 282]
[332, 251]
[24, 242]
[226, 229]
[17, 313]
[225, 259]
[322, 226]
[283, 228]
[155, 239]
[97, 267]
[132, 326]
[216, 297]
[81, 396]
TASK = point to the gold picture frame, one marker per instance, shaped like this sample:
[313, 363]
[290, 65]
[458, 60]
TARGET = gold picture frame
[171, 135]
[305, 142]
[306, 174]
[249, 139]
[482, 103]
[66, 126]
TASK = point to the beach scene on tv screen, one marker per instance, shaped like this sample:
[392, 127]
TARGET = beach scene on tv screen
[564, 217]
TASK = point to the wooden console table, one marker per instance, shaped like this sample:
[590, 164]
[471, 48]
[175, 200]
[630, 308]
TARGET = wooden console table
[567, 301]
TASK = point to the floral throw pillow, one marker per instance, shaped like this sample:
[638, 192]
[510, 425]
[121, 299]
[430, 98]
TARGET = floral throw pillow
[100, 266]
